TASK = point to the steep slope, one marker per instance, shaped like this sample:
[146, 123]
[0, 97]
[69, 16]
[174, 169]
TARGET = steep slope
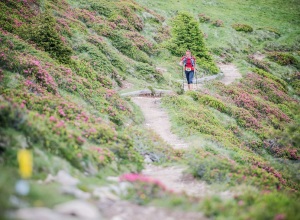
[63, 64]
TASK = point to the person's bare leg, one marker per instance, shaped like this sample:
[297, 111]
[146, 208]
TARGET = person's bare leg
[190, 86]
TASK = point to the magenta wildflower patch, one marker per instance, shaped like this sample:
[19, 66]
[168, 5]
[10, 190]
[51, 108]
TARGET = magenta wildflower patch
[134, 177]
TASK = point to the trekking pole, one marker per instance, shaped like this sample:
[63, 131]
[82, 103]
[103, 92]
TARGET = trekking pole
[182, 78]
[196, 75]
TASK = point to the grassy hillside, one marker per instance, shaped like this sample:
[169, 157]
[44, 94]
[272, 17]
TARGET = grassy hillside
[64, 63]
[61, 64]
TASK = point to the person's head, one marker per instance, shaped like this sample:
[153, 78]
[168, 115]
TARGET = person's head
[188, 53]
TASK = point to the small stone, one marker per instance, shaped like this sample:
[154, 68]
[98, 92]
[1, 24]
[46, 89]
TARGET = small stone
[116, 189]
[117, 218]
[38, 214]
[147, 159]
[113, 178]
[80, 209]
[124, 187]
[104, 193]
[49, 179]
[79, 194]
[66, 179]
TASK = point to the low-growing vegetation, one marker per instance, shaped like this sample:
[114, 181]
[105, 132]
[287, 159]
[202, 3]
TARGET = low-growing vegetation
[283, 59]
[242, 27]
[63, 65]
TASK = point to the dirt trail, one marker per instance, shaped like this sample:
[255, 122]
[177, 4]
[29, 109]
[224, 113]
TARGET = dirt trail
[172, 177]
[176, 180]
[231, 73]
[158, 120]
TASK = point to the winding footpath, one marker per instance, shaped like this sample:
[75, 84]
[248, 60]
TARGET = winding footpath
[110, 206]
[157, 119]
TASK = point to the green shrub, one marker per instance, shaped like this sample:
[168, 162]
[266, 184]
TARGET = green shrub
[212, 170]
[242, 27]
[295, 82]
[271, 29]
[5, 19]
[98, 60]
[283, 59]
[290, 136]
[128, 10]
[187, 35]
[46, 36]
[209, 100]
[112, 56]
[213, 102]
[103, 7]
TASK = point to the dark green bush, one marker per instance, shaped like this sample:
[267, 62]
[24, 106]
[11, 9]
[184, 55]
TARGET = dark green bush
[295, 82]
[46, 36]
[187, 35]
[284, 59]
[242, 27]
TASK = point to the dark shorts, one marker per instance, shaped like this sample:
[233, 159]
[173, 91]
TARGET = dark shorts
[189, 76]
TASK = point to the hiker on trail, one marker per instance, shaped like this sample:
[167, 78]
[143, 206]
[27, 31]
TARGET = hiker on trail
[188, 62]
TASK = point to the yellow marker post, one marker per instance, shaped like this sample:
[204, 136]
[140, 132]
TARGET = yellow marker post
[25, 163]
